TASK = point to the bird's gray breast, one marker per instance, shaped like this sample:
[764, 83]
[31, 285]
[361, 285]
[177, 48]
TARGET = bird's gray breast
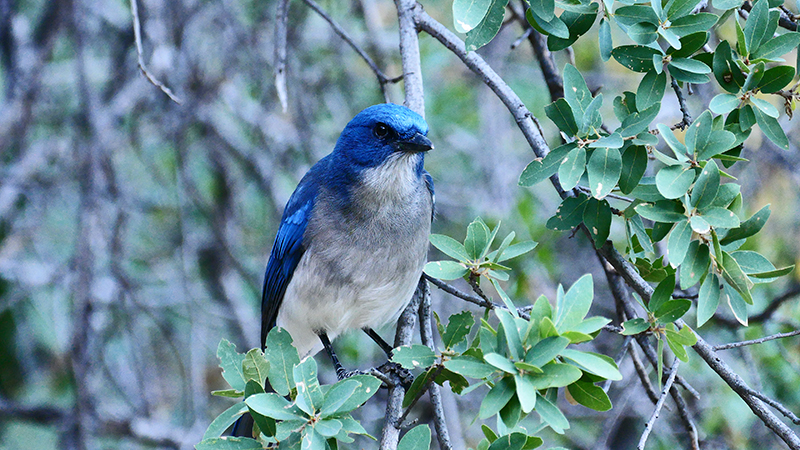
[364, 258]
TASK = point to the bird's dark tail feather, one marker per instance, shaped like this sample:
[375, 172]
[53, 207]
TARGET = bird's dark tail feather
[243, 427]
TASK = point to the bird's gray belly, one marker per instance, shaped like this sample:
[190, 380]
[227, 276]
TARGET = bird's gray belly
[363, 276]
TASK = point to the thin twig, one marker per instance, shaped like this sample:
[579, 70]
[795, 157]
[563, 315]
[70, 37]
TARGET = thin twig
[426, 336]
[281, 35]
[137, 36]
[687, 117]
[756, 341]
[462, 295]
[383, 80]
[650, 423]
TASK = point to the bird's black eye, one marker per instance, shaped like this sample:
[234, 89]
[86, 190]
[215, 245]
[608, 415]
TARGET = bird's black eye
[380, 130]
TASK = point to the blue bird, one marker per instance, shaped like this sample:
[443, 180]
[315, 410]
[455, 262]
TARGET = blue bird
[353, 238]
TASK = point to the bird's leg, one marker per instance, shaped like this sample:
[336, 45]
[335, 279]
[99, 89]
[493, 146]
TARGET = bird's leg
[404, 375]
[341, 374]
[379, 340]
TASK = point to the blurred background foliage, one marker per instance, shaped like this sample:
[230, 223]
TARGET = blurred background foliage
[134, 231]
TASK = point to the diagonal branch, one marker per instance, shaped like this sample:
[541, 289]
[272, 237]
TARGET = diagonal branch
[756, 341]
[137, 36]
[383, 80]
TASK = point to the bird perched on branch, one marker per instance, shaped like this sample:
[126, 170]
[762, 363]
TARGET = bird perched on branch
[353, 238]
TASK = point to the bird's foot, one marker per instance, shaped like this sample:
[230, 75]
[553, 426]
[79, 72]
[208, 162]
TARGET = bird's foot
[396, 373]
[341, 373]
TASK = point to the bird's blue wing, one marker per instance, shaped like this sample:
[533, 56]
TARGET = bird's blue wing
[287, 250]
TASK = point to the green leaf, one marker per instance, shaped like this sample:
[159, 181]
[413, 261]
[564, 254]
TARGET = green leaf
[551, 415]
[592, 324]
[576, 93]
[651, 90]
[501, 362]
[776, 78]
[503, 296]
[631, 15]
[724, 103]
[597, 217]
[540, 170]
[229, 443]
[592, 120]
[309, 393]
[677, 349]
[690, 65]
[755, 28]
[634, 163]
[635, 326]
[486, 30]
[418, 438]
[719, 141]
[518, 249]
[699, 224]
[282, 357]
[594, 363]
[678, 242]
[477, 239]
[467, 14]
[574, 304]
[695, 264]
[569, 214]
[497, 397]
[449, 247]
[553, 27]
[273, 405]
[659, 212]
[736, 278]
[707, 299]
[445, 270]
[589, 395]
[414, 356]
[680, 8]
[613, 140]
[224, 420]
[544, 8]
[737, 304]
[255, 366]
[604, 168]
[511, 332]
[672, 310]
[774, 48]
[604, 40]
[637, 58]
[572, 168]
[458, 328]
[231, 363]
[639, 121]
[562, 115]
[578, 24]
[727, 73]
[546, 350]
[337, 395]
[754, 77]
[368, 387]
[526, 393]
[748, 228]
[721, 218]
[556, 375]
[765, 107]
[693, 23]
[677, 146]
[662, 293]
[674, 181]
[706, 187]
[643, 33]
[727, 4]
[690, 44]
[469, 367]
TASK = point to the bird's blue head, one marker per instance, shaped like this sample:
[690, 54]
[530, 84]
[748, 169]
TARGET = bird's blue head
[382, 132]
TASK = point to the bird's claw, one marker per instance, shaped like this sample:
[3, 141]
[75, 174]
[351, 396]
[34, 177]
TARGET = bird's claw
[341, 374]
[397, 373]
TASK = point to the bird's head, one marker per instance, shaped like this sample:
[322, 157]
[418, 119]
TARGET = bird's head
[384, 132]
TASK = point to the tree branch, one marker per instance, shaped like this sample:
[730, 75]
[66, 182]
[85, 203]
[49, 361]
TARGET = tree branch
[407, 11]
[426, 335]
[137, 36]
[383, 80]
[664, 392]
[756, 341]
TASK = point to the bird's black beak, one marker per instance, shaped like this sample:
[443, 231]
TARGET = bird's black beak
[415, 144]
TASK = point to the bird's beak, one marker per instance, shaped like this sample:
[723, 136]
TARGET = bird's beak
[415, 144]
